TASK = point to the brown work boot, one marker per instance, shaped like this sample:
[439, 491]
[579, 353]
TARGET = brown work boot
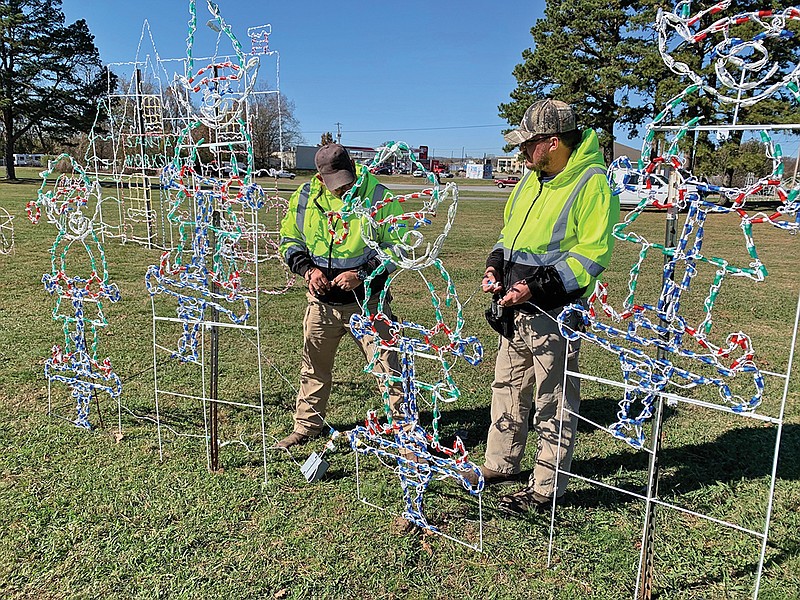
[490, 477]
[293, 439]
[524, 501]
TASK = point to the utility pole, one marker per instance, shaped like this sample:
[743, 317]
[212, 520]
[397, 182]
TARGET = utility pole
[338, 133]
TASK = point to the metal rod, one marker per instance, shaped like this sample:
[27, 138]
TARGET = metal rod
[776, 453]
[647, 558]
[147, 203]
[214, 376]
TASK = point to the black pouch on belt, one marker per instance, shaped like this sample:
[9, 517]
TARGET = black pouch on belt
[500, 319]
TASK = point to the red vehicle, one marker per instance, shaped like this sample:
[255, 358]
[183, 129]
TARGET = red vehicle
[501, 183]
[438, 167]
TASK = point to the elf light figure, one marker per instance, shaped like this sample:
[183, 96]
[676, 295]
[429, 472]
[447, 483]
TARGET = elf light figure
[76, 363]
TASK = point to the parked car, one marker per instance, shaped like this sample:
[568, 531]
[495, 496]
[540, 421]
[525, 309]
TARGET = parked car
[633, 187]
[418, 173]
[383, 170]
[501, 183]
[658, 187]
[445, 175]
[281, 174]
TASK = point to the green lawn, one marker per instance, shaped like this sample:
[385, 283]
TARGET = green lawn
[93, 514]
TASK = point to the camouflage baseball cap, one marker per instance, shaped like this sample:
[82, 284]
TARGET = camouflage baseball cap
[544, 117]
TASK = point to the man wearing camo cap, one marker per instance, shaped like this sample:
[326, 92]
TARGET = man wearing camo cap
[555, 241]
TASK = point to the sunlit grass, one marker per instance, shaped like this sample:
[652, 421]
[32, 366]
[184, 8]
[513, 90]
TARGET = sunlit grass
[87, 516]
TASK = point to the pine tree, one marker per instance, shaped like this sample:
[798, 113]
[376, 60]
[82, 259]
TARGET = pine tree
[593, 55]
[51, 77]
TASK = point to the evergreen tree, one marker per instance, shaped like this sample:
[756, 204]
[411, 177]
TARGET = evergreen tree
[596, 56]
[603, 59]
[703, 154]
[51, 77]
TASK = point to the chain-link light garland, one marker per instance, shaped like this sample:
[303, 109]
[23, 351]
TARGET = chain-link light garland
[662, 327]
[76, 364]
[419, 454]
[212, 276]
[202, 277]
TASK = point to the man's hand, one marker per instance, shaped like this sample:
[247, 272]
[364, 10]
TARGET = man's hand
[347, 280]
[490, 283]
[317, 282]
[518, 294]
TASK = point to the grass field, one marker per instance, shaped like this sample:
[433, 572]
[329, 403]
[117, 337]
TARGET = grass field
[97, 514]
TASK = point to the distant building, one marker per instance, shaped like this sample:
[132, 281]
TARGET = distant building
[479, 170]
[623, 150]
[509, 164]
[304, 155]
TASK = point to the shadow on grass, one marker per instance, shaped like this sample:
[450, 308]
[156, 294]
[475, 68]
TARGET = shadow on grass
[743, 453]
[470, 424]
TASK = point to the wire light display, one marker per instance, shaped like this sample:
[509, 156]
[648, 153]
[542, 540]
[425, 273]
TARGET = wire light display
[6, 232]
[203, 273]
[656, 344]
[419, 454]
[144, 118]
[79, 297]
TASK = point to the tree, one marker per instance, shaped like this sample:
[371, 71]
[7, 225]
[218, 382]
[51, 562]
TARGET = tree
[703, 155]
[326, 138]
[51, 77]
[602, 57]
[594, 55]
[273, 127]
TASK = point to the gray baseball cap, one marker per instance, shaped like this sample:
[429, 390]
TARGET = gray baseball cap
[334, 166]
[545, 117]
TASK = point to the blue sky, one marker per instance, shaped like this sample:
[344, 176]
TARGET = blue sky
[422, 72]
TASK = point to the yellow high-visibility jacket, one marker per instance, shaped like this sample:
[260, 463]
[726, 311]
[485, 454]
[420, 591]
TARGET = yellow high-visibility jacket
[557, 234]
[306, 241]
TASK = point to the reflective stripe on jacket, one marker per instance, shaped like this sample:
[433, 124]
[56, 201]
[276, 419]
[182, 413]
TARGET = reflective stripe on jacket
[304, 229]
[564, 224]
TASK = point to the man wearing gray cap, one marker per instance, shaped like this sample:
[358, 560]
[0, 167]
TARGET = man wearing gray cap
[335, 274]
[555, 241]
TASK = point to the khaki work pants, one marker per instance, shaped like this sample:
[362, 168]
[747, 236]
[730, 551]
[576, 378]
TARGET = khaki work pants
[529, 374]
[324, 326]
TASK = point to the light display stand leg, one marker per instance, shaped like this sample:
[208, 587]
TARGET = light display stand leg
[214, 366]
[210, 387]
[644, 583]
[651, 498]
[776, 453]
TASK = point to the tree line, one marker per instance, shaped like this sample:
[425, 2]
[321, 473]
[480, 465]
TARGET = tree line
[54, 87]
[601, 56]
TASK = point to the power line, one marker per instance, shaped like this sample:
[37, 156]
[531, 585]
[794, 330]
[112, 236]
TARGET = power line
[415, 129]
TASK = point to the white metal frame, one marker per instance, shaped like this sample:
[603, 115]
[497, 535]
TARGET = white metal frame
[649, 498]
[206, 325]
